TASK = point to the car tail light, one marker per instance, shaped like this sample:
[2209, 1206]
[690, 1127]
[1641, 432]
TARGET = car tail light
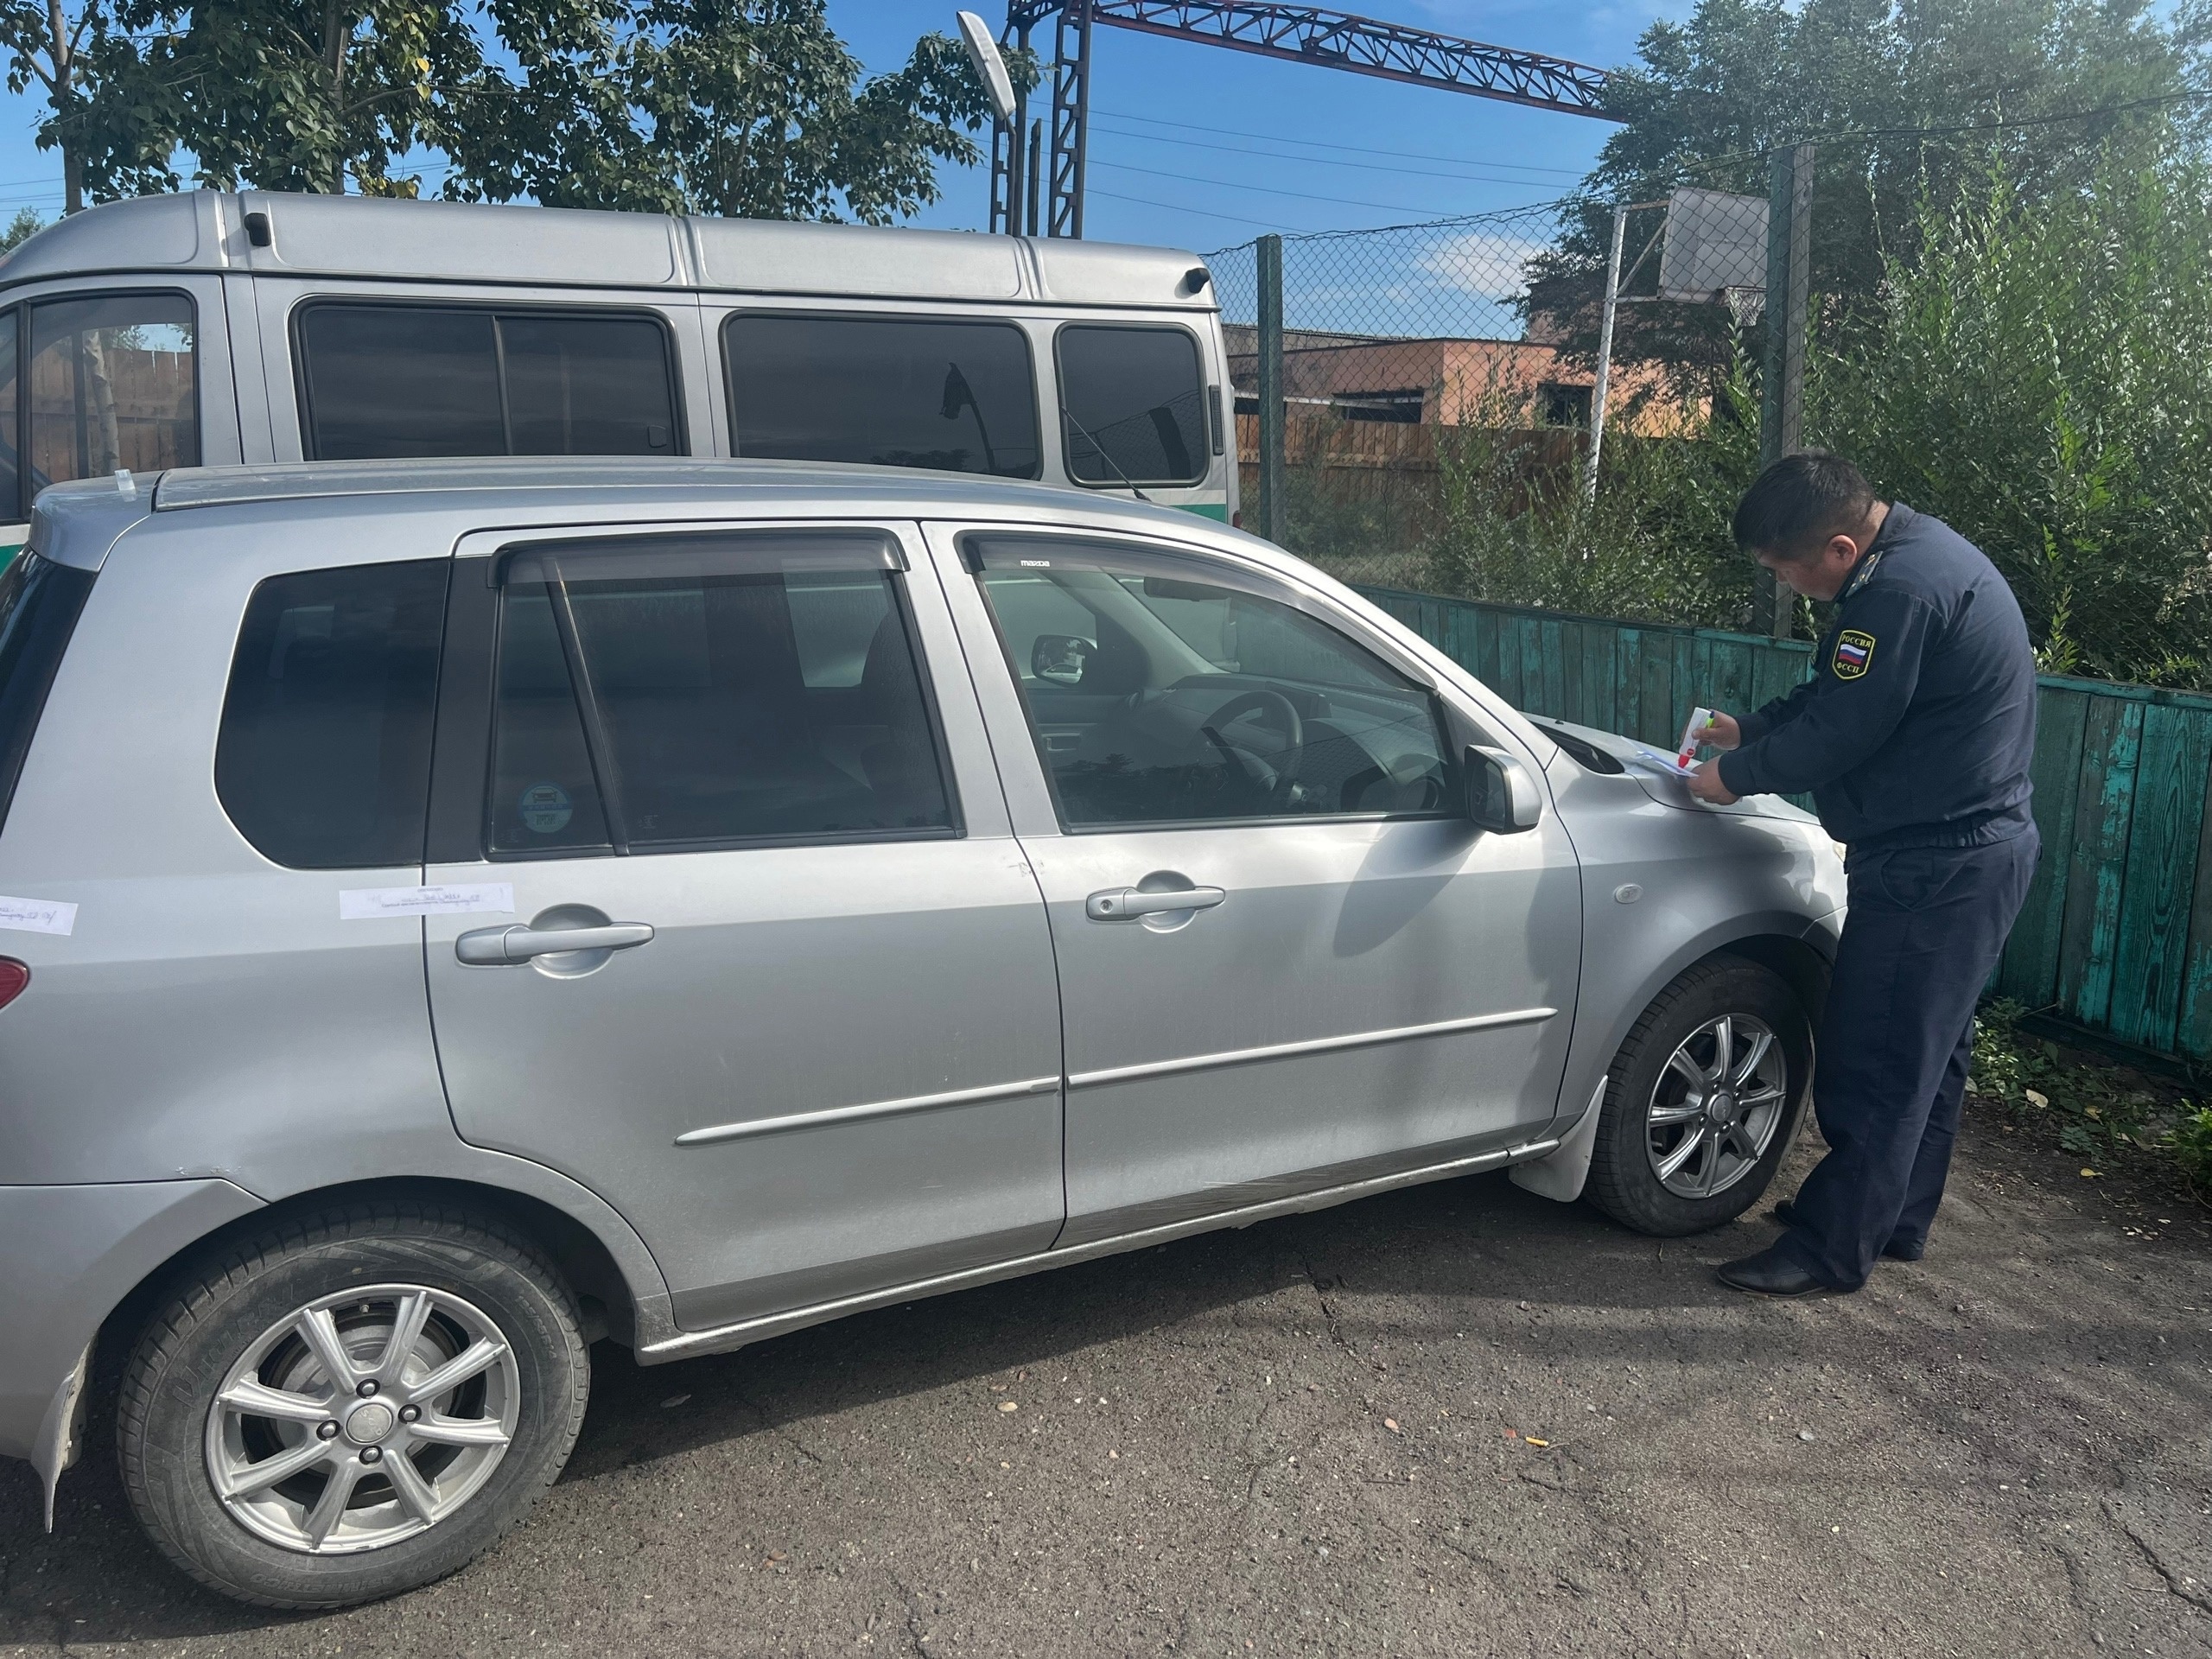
[14, 975]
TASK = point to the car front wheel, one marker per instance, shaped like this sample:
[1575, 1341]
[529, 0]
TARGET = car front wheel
[1702, 1101]
[352, 1405]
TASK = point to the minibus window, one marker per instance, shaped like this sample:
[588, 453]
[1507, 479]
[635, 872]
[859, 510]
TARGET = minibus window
[113, 384]
[1134, 403]
[954, 396]
[385, 381]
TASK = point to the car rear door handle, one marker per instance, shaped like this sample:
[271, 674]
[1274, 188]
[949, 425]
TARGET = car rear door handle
[496, 947]
[1127, 904]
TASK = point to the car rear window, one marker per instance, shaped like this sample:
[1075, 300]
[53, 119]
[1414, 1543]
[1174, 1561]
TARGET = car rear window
[1134, 403]
[323, 760]
[385, 381]
[954, 396]
[39, 604]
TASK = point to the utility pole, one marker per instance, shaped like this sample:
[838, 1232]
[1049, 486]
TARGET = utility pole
[1605, 355]
[1267, 252]
[1782, 390]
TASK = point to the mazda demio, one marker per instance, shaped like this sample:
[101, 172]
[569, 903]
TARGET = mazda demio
[454, 912]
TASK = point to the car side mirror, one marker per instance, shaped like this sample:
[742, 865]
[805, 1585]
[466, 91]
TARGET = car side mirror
[1501, 794]
[1061, 658]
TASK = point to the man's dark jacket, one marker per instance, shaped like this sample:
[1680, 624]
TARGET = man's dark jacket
[1917, 728]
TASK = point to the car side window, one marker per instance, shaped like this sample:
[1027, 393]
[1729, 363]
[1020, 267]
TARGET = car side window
[386, 381]
[323, 757]
[1167, 690]
[691, 692]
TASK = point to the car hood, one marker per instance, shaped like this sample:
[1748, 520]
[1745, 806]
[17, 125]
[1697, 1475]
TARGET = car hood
[1654, 771]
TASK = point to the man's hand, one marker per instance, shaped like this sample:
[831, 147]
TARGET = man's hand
[1705, 783]
[1722, 732]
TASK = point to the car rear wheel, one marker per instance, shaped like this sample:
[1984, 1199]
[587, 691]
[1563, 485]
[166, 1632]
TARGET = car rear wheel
[352, 1405]
[1702, 1101]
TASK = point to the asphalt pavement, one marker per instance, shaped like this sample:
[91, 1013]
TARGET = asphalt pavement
[1456, 1421]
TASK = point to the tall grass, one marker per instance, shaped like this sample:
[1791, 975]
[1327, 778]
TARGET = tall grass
[2040, 377]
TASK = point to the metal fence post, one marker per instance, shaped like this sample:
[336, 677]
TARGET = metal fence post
[1782, 388]
[1604, 356]
[1267, 252]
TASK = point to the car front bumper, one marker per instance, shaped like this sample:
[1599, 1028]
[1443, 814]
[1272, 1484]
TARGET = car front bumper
[68, 1256]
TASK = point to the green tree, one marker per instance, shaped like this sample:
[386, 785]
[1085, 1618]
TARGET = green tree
[751, 108]
[305, 94]
[2034, 375]
[24, 226]
[83, 59]
[1905, 99]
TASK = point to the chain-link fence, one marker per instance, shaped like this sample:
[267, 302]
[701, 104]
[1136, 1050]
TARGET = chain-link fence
[1465, 365]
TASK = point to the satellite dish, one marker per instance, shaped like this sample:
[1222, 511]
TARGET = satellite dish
[990, 68]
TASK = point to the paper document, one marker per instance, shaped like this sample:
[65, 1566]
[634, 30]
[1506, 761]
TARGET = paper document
[367, 904]
[38, 916]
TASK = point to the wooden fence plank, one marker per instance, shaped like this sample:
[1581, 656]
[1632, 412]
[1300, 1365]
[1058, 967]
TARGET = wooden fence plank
[2103, 802]
[1458, 641]
[1601, 678]
[1553, 645]
[1729, 686]
[1508, 683]
[2028, 973]
[1682, 686]
[2152, 956]
[1486, 663]
[2193, 1030]
[1628, 683]
[1658, 699]
[1570, 672]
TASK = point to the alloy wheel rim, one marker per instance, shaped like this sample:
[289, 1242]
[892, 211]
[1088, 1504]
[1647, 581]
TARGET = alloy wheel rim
[362, 1419]
[1714, 1110]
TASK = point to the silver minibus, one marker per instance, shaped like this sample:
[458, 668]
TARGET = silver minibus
[208, 328]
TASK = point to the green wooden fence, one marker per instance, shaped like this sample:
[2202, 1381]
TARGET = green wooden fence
[2116, 934]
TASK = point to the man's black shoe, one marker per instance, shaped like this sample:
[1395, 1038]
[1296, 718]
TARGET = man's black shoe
[1786, 1214]
[1771, 1273]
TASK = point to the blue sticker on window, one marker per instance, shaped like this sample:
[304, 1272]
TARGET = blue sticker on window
[545, 809]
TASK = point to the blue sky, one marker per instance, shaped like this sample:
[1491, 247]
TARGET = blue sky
[1197, 147]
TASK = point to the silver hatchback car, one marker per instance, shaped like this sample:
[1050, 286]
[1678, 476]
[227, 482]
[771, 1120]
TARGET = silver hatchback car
[457, 912]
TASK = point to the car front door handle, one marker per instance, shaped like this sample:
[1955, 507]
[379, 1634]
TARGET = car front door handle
[499, 947]
[1127, 904]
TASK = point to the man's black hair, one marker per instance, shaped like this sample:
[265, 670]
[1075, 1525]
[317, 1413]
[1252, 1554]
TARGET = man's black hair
[1799, 502]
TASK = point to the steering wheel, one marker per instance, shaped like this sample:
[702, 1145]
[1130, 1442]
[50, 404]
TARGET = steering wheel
[1278, 776]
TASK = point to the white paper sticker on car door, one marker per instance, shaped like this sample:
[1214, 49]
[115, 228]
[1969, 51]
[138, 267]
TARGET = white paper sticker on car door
[367, 904]
[38, 916]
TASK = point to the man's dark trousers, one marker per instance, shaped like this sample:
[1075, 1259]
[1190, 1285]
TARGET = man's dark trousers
[1925, 929]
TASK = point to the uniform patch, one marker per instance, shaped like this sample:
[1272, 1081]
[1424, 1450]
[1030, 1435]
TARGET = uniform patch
[1854, 653]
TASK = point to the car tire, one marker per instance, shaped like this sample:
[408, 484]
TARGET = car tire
[412, 1295]
[1743, 1108]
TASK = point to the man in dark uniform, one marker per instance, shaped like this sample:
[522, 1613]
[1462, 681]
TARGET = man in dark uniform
[1914, 737]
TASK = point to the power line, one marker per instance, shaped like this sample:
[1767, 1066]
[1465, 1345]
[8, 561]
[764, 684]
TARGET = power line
[1207, 212]
[1315, 161]
[1264, 189]
[1316, 143]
